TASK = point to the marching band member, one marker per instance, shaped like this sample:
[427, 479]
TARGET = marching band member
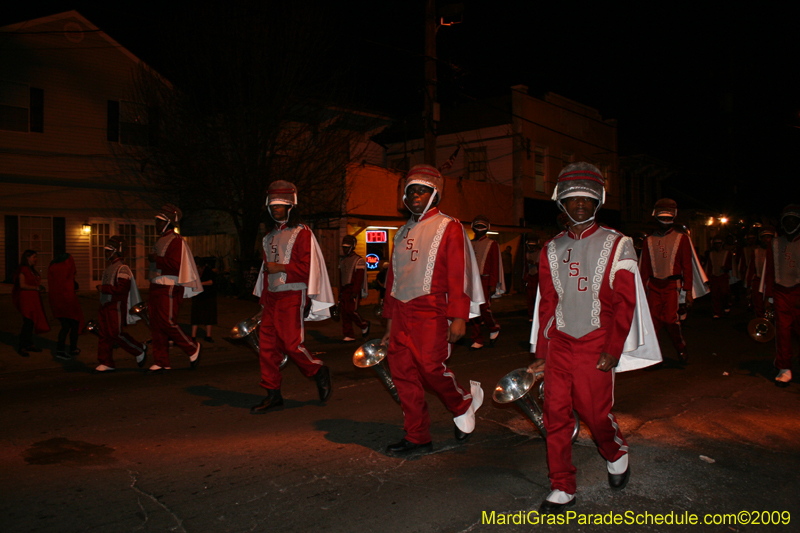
[719, 263]
[352, 287]
[118, 293]
[173, 277]
[781, 283]
[531, 277]
[666, 268]
[26, 299]
[490, 266]
[296, 288]
[755, 268]
[64, 304]
[434, 287]
[591, 321]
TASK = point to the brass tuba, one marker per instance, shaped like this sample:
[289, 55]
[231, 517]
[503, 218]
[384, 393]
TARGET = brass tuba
[140, 310]
[248, 329]
[762, 329]
[371, 354]
[518, 386]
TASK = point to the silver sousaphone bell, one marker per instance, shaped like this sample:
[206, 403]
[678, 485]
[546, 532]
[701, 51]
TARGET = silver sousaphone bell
[518, 386]
[92, 327]
[140, 310]
[371, 354]
[762, 329]
[248, 329]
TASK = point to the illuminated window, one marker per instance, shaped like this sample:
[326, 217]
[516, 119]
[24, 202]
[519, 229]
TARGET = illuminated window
[476, 163]
[100, 234]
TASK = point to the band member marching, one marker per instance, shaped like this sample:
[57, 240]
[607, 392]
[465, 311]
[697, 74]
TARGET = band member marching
[118, 293]
[296, 288]
[719, 263]
[667, 268]
[591, 321]
[781, 283]
[352, 287]
[433, 288]
[755, 268]
[173, 277]
[490, 266]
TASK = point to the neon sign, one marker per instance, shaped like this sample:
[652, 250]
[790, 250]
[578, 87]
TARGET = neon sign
[376, 236]
[373, 261]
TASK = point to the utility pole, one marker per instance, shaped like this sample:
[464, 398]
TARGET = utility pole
[431, 106]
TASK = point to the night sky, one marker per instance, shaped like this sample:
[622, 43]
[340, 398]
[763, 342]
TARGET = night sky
[714, 92]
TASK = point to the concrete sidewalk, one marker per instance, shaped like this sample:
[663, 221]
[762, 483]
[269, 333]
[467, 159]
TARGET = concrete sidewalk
[231, 311]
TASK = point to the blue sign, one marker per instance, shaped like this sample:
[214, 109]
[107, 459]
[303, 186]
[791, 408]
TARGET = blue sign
[373, 261]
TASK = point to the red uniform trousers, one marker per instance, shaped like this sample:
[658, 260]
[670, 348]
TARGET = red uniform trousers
[662, 299]
[531, 287]
[418, 350]
[787, 321]
[164, 304]
[348, 310]
[572, 381]
[757, 297]
[110, 324]
[720, 290]
[486, 315]
[282, 332]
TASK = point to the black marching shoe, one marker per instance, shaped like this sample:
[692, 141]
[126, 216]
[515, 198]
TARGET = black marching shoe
[683, 356]
[408, 448]
[365, 331]
[141, 359]
[323, 379]
[62, 355]
[194, 363]
[618, 481]
[273, 399]
[460, 435]
[549, 507]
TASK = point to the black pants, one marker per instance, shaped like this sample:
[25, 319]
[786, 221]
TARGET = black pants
[68, 326]
[26, 336]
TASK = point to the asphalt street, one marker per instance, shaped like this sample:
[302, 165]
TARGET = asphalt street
[715, 439]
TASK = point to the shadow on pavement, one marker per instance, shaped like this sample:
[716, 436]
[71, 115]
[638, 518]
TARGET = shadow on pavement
[373, 435]
[241, 400]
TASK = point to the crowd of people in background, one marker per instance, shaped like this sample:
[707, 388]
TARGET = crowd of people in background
[596, 300]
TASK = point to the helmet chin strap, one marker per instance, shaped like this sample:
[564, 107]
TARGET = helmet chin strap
[280, 221]
[430, 201]
[596, 209]
[792, 232]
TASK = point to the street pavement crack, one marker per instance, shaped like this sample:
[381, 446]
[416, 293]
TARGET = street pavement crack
[134, 479]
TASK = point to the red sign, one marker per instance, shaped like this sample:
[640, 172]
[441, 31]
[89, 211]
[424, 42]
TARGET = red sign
[376, 236]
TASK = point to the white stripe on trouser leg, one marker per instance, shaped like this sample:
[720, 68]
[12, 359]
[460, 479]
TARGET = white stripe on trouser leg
[616, 433]
[466, 422]
[302, 316]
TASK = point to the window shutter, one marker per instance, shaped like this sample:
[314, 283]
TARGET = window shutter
[59, 235]
[12, 246]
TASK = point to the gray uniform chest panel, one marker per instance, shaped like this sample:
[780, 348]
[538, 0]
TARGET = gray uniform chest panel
[718, 259]
[416, 246]
[787, 261]
[160, 249]
[481, 248]
[759, 258]
[278, 246]
[663, 251]
[348, 266]
[578, 268]
[110, 275]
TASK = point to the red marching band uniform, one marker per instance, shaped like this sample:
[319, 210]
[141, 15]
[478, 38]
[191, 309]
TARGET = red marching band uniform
[490, 266]
[432, 280]
[719, 264]
[781, 283]
[352, 287]
[173, 277]
[755, 268]
[591, 304]
[118, 293]
[531, 276]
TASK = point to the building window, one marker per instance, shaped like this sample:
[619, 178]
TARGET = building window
[476, 163]
[36, 233]
[100, 234]
[128, 233]
[128, 123]
[540, 167]
[21, 107]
